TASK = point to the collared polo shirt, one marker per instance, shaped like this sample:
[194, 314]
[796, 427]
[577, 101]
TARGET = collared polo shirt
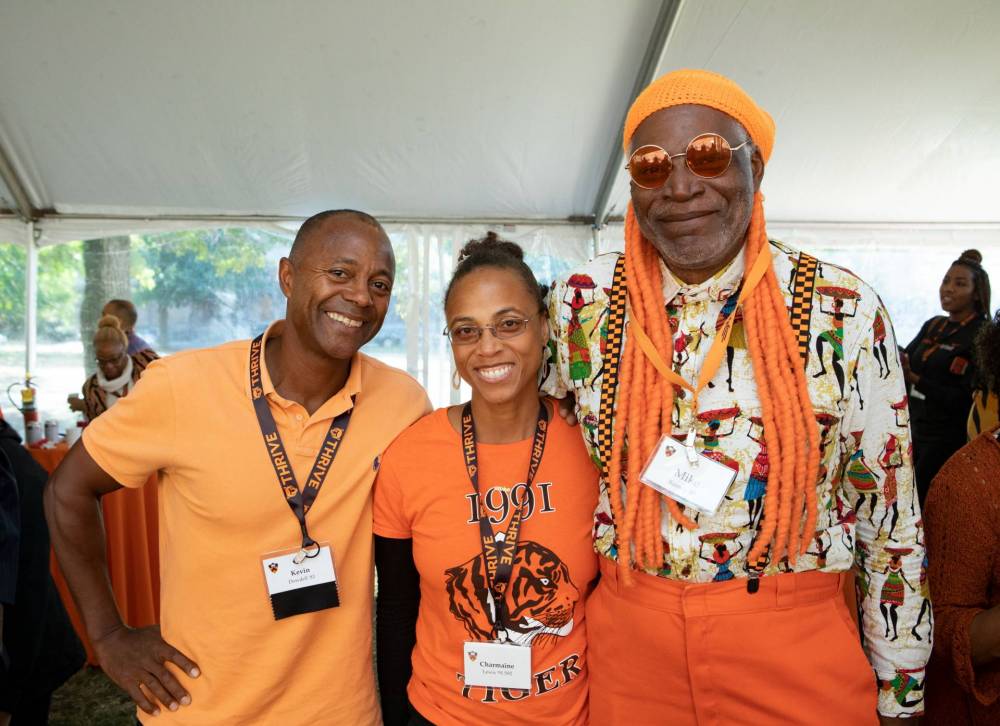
[191, 419]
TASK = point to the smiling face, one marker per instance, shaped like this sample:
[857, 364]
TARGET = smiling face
[697, 225]
[958, 290]
[338, 286]
[499, 371]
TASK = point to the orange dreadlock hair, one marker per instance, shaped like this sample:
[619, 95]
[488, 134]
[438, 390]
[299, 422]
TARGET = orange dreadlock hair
[645, 400]
[645, 404]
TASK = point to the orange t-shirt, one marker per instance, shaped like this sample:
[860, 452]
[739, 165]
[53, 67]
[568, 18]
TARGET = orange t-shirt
[191, 419]
[423, 492]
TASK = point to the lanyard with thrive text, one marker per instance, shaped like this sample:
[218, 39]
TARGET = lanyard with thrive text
[499, 556]
[299, 500]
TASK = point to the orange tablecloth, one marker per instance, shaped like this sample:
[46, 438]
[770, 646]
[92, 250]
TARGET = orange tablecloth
[130, 526]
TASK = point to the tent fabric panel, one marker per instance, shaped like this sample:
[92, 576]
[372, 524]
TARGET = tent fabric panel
[433, 109]
[885, 112]
[12, 231]
[7, 203]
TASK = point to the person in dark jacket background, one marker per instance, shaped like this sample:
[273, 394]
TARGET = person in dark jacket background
[10, 536]
[38, 639]
[939, 368]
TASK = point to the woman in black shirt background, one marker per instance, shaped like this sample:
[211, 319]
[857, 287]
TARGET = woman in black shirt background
[939, 367]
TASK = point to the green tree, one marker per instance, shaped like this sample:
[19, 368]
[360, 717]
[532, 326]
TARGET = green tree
[219, 273]
[105, 276]
[59, 290]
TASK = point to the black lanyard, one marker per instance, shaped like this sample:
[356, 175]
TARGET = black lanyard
[499, 557]
[298, 499]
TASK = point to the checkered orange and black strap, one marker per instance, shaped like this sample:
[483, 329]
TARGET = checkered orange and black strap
[612, 357]
[800, 315]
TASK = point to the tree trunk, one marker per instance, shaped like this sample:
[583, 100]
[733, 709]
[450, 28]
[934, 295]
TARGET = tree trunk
[162, 326]
[106, 276]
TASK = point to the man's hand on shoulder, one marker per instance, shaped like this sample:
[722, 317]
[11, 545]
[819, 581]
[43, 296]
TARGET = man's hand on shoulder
[138, 657]
[566, 406]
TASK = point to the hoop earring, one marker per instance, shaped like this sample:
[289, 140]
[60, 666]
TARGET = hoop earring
[456, 382]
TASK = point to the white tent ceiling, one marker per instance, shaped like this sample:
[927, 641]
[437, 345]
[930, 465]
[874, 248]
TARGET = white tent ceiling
[887, 112]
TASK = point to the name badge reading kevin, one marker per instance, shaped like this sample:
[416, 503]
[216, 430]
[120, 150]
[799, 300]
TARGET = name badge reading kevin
[501, 665]
[300, 584]
[694, 480]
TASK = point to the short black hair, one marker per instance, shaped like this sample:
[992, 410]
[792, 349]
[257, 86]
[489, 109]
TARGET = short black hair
[125, 311]
[491, 251]
[318, 220]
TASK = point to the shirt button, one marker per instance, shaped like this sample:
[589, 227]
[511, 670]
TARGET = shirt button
[298, 417]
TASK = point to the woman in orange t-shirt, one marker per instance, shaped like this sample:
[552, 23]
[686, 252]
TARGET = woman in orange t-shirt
[481, 505]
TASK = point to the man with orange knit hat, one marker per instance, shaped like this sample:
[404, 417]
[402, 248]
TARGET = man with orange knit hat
[753, 451]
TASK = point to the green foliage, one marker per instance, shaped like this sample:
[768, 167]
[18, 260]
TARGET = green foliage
[59, 289]
[12, 263]
[218, 272]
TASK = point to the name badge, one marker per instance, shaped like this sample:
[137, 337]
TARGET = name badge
[502, 665]
[300, 582]
[687, 477]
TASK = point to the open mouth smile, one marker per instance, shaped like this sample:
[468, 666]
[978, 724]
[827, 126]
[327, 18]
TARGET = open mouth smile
[494, 374]
[344, 320]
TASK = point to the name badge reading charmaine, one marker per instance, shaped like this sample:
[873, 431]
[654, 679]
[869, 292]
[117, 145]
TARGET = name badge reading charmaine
[501, 665]
[696, 481]
[298, 585]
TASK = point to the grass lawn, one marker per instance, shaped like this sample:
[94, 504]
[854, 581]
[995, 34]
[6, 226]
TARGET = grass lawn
[90, 699]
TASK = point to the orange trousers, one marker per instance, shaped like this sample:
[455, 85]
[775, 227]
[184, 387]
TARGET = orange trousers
[667, 652]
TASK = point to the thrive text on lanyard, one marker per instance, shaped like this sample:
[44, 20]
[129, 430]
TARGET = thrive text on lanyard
[500, 663]
[303, 579]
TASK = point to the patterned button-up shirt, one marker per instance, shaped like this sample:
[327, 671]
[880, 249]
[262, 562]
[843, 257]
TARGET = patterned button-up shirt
[869, 516]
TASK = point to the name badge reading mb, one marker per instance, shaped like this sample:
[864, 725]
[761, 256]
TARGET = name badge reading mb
[687, 476]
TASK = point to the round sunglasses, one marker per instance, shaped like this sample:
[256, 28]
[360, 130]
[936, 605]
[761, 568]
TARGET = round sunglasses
[707, 155]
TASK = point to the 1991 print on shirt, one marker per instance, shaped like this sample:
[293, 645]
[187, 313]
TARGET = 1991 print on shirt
[423, 492]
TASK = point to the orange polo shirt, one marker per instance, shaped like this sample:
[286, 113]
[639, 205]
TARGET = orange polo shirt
[191, 419]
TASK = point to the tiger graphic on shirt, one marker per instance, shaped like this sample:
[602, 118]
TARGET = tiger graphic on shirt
[541, 596]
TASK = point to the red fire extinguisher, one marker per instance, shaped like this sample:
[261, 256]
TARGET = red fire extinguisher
[27, 408]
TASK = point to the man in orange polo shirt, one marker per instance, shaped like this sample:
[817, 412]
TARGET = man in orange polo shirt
[266, 453]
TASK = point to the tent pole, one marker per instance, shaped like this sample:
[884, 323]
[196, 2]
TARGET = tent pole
[596, 231]
[31, 301]
[655, 50]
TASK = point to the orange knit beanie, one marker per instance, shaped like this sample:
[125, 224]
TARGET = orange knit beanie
[705, 89]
